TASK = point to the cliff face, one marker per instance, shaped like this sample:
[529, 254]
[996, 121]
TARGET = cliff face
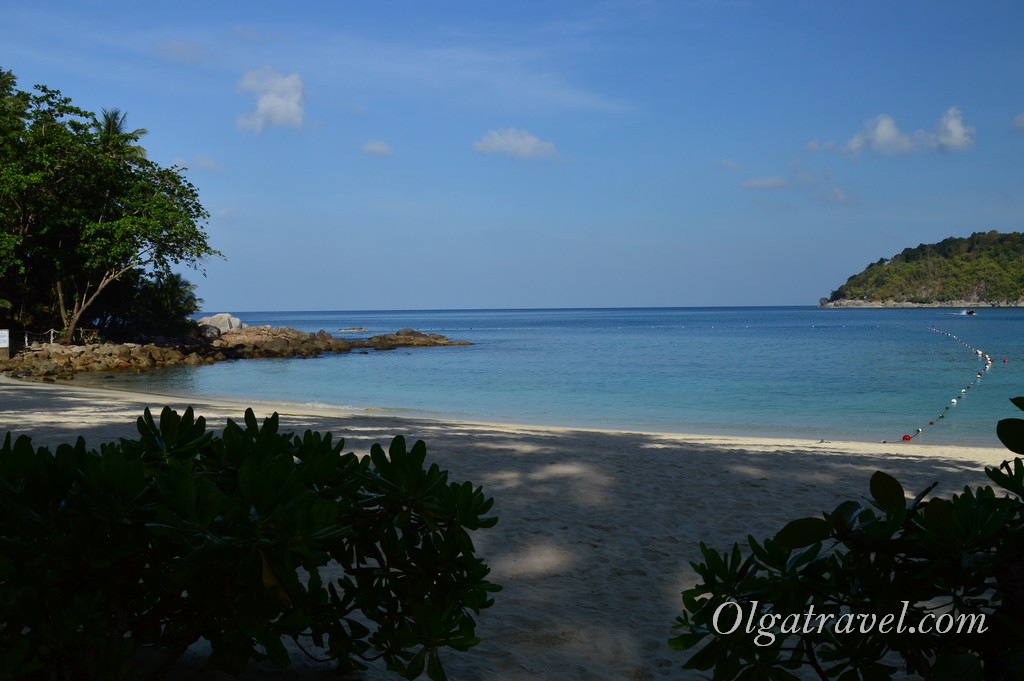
[986, 268]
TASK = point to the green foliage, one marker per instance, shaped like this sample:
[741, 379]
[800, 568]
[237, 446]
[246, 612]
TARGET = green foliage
[81, 207]
[146, 305]
[115, 138]
[815, 596]
[985, 267]
[243, 538]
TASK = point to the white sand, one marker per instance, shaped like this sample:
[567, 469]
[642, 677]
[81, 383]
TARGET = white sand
[596, 529]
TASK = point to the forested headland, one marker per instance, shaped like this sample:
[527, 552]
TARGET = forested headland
[986, 268]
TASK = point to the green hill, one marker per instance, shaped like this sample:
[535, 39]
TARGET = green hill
[986, 268]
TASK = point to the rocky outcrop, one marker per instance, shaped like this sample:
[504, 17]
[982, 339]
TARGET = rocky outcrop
[403, 339]
[253, 342]
[63, 361]
[53, 360]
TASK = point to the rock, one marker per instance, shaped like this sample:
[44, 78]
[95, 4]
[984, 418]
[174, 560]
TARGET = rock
[278, 347]
[223, 322]
[405, 338]
[172, 356]
[209, 332]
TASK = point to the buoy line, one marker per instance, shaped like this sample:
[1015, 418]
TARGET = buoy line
[963, 391]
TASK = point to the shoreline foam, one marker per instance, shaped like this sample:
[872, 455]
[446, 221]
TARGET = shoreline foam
[596, 527]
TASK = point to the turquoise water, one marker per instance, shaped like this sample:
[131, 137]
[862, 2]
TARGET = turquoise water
[834, 374]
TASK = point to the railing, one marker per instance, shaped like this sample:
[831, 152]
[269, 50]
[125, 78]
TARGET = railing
[82, 336]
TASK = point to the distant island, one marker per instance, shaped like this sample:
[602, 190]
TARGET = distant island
[984, 269]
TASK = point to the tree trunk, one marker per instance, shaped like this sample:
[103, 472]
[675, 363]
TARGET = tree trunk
[82, 302]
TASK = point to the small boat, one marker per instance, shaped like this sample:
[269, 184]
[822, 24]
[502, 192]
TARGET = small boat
[970, 312]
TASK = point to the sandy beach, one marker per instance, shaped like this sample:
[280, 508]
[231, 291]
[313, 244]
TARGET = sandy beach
[596, 528]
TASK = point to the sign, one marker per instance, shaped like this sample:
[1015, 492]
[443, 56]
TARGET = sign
[5, 338]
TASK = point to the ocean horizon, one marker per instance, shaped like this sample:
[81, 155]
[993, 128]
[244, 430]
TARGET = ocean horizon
[859, 374]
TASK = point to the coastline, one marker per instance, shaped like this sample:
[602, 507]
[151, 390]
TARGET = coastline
[778, 372]
[228, 406]
[902, 304]
[596, 527]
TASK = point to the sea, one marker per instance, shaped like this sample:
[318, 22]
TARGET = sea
[936, 375]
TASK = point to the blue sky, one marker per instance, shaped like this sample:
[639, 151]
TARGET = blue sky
[415, 155]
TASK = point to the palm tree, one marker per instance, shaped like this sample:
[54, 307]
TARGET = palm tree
[114, 135]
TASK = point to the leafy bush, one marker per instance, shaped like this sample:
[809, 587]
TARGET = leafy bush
[184, 534]
[816, 596]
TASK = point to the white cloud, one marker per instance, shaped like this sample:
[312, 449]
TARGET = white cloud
[765, 183]
[1018, 121]
[515, 142]
[882, 135]
[377, 148]
[279, 99]
[951, 133]
[730, 165]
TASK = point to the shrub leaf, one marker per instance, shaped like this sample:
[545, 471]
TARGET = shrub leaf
[803, 532]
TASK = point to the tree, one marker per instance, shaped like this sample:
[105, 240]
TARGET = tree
[81, 207]
[143, 305]
[162, 305]
[114, 136]
[152, 226]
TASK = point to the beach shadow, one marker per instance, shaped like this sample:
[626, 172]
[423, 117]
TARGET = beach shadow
[597, 530]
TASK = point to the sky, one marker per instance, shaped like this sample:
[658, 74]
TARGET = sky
[555, 153]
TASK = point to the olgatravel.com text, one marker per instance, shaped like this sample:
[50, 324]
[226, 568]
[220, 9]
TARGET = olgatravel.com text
[729, 617]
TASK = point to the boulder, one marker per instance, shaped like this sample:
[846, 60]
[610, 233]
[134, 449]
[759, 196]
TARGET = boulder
[209, 332]
[278, 347]
[223, 322]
